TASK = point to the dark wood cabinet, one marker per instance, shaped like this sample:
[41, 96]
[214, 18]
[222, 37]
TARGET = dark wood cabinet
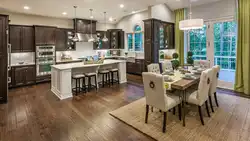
[63, 43]
[157, 35]
[21, 38]
[116, 38]
[23, 75]
[84, 26]
[3, 58]
[100, 44]
[136, 67]
[45, 35]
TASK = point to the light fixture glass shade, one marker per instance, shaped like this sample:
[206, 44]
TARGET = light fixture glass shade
[191, 24]
[75, 38]
[105, 39]
[91, 39]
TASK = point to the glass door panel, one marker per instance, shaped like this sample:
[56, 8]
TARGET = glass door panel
[198, 42]
[224, 42]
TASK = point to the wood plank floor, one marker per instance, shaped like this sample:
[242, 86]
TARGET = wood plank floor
[33, 113]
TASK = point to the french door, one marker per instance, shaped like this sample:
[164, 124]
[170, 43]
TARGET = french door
[216, 42]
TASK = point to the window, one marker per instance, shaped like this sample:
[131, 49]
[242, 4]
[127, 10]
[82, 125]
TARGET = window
[135, 39]
[197, 44]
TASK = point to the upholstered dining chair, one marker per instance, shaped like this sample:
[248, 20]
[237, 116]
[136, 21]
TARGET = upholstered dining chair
[202, 63]
[166, 65]
[156, 97]
[200, 96]
[213, 86]
[154, 67]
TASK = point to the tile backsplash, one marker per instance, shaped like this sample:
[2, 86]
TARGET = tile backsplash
[28, 57]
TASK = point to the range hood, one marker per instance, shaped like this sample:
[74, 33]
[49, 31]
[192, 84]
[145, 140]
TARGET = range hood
[85, 37]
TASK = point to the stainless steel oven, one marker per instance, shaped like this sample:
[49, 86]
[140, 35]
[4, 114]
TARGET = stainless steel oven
[45, 57]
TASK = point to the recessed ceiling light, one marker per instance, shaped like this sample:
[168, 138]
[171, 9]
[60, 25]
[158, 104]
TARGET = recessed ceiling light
[121, 5]
[111, 19]
[26, 7]
[64, 13]
[133, 12]
[91, 17]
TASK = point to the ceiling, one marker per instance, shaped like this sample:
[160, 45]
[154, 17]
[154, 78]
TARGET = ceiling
[55, 8]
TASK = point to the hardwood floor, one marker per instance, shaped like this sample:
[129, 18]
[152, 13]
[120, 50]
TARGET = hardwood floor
[34, 114]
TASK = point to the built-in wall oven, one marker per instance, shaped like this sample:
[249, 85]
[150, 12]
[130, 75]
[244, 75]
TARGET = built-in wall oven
[45, 57]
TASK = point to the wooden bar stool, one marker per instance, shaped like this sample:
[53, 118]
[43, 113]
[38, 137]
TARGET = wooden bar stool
[89, 76]
[78, 88]
[105, 74]
[112, 72]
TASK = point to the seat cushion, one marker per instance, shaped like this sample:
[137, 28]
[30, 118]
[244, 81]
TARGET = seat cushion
[114, 69]
[192, 98]
[172, 101]
[103, 71]
[90, 74]
[78, 76]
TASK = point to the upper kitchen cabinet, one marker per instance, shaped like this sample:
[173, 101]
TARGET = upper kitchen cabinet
[84, 26]
[116, 38]
[169, 35]
[21, 38]
[63, 42]
[100, 44]
[45, 35]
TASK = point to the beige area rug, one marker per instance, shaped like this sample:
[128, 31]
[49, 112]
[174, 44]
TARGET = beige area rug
[230, 122]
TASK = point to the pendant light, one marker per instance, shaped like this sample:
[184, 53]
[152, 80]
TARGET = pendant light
[75, 38]
[91, 39]
[105, 39]
[190, 23]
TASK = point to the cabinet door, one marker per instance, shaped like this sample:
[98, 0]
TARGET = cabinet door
[61, 39]
[50, 35]
[114, 39]
[39, 36]
[28, 44]
[121, 39]
[82, 26]
[30, 76]
[15, 38]
[19, 74]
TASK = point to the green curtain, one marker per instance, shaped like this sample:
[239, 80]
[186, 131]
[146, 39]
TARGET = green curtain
[242, 75]
[179, 35]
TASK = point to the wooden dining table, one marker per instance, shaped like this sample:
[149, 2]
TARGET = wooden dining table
[182, 85]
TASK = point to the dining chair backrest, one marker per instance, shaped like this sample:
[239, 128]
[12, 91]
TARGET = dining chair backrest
[155, 68]
[202, 63]
[216, 70]
[167, 65]
[154, 90]
[204, 85]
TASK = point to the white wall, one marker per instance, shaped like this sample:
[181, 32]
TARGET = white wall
[215, 10]
[162, 12]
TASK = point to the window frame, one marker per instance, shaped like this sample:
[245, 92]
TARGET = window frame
[133, 39]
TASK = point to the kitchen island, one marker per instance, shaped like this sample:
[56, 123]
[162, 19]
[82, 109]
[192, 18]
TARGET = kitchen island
[61, 75]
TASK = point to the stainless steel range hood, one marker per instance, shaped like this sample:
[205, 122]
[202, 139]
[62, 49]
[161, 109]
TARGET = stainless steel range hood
[85, 37]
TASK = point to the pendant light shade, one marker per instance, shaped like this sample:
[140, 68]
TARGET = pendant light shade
[91, 39]
[75, 38]
[190, 23]
[105, 39]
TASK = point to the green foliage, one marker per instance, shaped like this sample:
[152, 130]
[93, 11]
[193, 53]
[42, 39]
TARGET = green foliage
[175, 56]
[175, 64]
[190, 59]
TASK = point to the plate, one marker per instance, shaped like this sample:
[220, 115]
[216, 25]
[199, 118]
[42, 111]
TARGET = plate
[189, 78]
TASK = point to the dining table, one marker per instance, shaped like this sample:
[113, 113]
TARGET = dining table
[180, 83]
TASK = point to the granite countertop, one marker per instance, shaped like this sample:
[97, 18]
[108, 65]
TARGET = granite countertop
[82, 65]
[24, 64]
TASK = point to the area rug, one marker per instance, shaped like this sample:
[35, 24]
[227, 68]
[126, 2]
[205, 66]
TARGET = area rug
[231, 121]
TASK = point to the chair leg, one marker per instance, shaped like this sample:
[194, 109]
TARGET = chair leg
[112, 78]
[76, 87]
[118, 79]
[146, 116]
[211, 103]
[174, 110]
[216, 101]
[208, 113]
[201, 116]
[164, 122]
[83, 85]
[95, 83]
[89, 83]
[103, 80]
[152, 109]
[179, 109]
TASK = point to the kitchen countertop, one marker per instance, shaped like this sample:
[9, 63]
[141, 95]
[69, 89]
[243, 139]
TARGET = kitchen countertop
[24, 64]
[81, 65]
[65, 61]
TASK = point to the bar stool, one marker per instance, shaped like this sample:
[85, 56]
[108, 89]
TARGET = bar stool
[105, 73]
[112, 72]
[78, 88]
[89, 76]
